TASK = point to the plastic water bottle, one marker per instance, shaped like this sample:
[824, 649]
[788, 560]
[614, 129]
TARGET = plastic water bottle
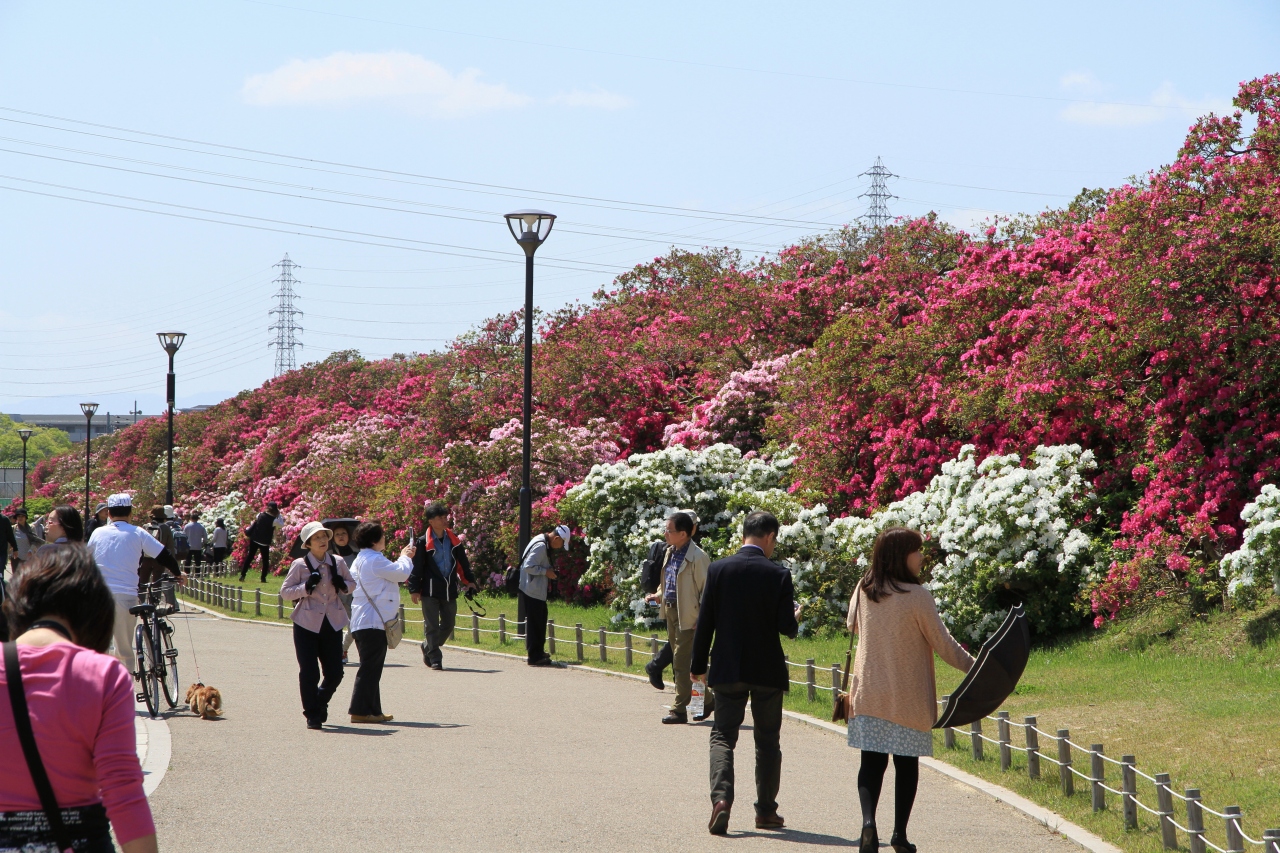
[697, 701]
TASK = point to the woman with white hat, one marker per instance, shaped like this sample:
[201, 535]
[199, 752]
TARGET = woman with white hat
[315, 581]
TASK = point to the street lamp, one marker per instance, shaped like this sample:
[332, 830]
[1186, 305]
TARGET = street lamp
[88, 409]
[24, 434]
[531, 229]
[171, 341]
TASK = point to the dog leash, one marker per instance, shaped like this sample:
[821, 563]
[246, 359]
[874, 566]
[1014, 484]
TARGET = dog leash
[192, 642]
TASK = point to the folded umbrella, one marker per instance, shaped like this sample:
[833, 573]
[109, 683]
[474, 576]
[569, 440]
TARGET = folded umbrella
[994, 675]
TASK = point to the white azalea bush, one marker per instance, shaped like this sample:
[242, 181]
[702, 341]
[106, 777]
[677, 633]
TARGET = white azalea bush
[1258, 558]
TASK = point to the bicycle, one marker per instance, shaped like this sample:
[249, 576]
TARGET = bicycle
[153, 644]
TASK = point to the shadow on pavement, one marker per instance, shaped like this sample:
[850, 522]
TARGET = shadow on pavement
[416, 725]
[815, 838]
[351, 730]
[477, 671]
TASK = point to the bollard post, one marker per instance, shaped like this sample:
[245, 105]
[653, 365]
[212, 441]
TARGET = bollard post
[257, 602]
[240, 600]
[279, 605]
[404, 624]
[1235, 839]
[1006, 753]
[1271, 841]
[475, 628]
[551, 636]
[1164, 805]
[1129, 784]
[502, 628]
[578, 632]
[1195, 821]
[653, 648]
[626, 642]
[975, 739]
[948, 734]
[808, 677]
[1033, 748]
[604, 648]
[1064, 763]
[835, 684]
[1096, 771]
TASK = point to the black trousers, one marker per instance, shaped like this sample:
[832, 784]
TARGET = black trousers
[366, 696]
[255, 548]
[766, 718]
[661, 660]
[316, 652]
[535, 627]
[219, 554]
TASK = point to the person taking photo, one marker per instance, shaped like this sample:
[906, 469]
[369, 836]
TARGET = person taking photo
[535, 573]
[260, 535]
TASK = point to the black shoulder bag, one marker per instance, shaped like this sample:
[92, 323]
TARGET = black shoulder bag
[22, 722]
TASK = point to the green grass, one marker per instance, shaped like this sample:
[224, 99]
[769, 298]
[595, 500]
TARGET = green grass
[1198, 698]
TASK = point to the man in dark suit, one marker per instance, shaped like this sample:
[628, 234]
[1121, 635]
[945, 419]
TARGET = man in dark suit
[748, 602]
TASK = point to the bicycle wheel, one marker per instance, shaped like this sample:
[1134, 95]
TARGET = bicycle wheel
[168, 663]
[146, 674]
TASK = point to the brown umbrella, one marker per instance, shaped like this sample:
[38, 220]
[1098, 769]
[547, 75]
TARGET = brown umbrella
[994, 675]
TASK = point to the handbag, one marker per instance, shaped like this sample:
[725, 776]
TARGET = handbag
[840, 707]
[393, 627]
[30, 750]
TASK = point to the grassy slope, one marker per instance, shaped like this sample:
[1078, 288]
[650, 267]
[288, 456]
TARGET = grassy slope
[1198, 699]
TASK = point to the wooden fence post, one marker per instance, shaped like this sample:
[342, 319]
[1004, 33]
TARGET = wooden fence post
[835, 684]
[404, 623]
[257, 602]
[475, 628]
[578, 633]
[551, 636]
[279, 605]
[1129, 784]
[502, 628]
[653, 648]
[1195, 821]
[1235, 840]
[1064, 763]
[948, 734]
[240, 600]
[626, 642]
[1006, 753]
[1096, 771]
[975, 739]
[808, 676]
[1271, 841]
[604, 647]
[1164, 804]
[1033, 748]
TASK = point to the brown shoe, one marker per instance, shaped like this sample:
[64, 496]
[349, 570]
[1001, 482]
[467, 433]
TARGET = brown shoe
[673, 718]
[385, 718]
[719, 823]
[368, 718]
[771, 821]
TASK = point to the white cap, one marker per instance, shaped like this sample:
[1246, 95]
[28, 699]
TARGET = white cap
[562, 530]
[119, 500]
[311, 529]
[168, 511]
[692, 515]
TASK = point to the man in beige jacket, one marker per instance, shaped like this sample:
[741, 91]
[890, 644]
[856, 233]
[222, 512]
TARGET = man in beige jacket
[684, 574]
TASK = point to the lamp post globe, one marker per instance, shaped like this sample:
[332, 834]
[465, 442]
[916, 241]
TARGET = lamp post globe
[24, 434]
[171, 342]
[530, 228]
[88, 409]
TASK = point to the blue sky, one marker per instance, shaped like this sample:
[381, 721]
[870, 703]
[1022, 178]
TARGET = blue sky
[126, 127]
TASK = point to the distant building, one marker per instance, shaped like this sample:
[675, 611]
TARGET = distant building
[73, 425]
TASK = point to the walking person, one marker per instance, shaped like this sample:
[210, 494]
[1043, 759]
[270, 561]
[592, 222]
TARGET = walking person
[99, 520]
[68, 709]
[376, 601]
[24, 538]
[260, 535]
[221, 540]
[535, 572]
[118, 548]
[314, 582]
[893, 701]
[650, 580]
[62, 527]
[684, 575]
[748, 603]
[440, 566]
[196, 535]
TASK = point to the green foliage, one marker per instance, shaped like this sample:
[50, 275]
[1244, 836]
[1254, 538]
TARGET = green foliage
[45, 442]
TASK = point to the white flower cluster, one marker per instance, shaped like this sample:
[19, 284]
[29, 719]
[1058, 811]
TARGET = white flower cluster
[230, 508]
[1259, 555]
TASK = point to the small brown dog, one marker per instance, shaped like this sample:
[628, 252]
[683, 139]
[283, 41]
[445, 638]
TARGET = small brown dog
[205, 701]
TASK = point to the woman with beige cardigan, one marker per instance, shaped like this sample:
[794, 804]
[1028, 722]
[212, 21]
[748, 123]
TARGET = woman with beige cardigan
[893, 697]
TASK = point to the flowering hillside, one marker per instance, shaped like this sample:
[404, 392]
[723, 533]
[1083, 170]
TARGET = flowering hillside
[1140, 324]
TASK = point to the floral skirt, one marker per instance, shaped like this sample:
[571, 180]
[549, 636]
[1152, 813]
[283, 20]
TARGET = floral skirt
[876, 735]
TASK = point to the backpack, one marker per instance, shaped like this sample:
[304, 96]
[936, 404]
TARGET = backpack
[511, 580]
[651, 568]
[181, 545]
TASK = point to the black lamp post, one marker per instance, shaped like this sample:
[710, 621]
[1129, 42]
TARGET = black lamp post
[531, 229]
[171, 341]
[24, 434]
[88, 409]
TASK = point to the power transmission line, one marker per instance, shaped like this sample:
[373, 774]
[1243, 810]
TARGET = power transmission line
[286, 326]
[879, 195]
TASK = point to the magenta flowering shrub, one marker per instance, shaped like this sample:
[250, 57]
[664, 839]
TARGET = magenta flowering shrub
[737, 413]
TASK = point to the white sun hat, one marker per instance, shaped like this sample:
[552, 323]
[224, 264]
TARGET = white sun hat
[311, 529]
[562, 530]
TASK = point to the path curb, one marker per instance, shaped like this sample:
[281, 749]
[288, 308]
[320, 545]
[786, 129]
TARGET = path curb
[1050, 819]
[155, 760]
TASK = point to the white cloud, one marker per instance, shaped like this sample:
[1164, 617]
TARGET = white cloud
[1165, 103]
[394, 77]
[597, 99]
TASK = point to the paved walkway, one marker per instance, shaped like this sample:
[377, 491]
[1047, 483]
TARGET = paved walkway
[491, 755]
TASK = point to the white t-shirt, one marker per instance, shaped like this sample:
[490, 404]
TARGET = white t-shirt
[117, 549]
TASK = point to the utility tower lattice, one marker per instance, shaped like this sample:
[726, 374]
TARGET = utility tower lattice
[878, 212]
[286, 313]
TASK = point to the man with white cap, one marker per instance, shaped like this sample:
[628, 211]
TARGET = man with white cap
[118, 548]
[535, 572]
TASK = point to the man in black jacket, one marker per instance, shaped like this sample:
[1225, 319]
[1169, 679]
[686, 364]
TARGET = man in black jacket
[260, 535]
[748, 602]
[438, 564]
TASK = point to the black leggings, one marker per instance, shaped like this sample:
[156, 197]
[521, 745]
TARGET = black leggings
[906, 776]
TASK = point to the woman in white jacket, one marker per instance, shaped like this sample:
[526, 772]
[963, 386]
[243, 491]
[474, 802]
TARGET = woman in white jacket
[375, 601]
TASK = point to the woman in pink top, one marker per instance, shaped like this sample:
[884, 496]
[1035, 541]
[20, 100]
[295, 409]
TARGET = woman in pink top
[80, 705]
[893, 697]
[315, 581]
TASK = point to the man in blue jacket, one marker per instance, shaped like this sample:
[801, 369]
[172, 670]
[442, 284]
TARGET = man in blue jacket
[747, 604]
[439, 564]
